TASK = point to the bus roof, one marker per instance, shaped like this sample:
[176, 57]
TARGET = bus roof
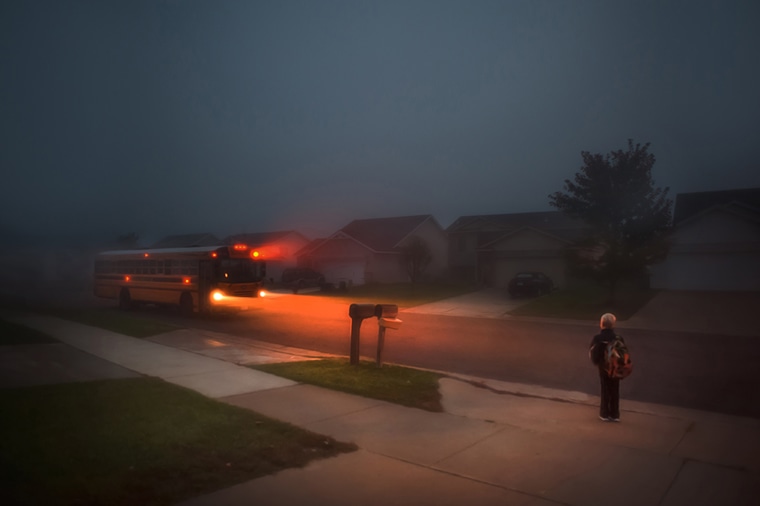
[191, 251]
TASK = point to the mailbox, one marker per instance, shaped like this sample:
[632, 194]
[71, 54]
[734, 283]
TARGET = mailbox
[389, 323]
[358, 313]
[386, 310]
[362, 311]
[386, 319]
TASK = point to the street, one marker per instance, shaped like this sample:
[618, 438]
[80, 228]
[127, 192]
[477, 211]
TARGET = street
[699, 371]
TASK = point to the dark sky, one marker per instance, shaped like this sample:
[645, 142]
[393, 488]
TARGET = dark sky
[162, 117]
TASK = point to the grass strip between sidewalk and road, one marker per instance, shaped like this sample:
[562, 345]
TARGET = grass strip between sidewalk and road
[400, 385]
[138, 441]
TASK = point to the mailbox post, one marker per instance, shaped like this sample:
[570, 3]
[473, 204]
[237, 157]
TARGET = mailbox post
[358, 313]
[386, 318]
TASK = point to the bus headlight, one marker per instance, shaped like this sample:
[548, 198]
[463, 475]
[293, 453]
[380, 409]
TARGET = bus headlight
[217, 296]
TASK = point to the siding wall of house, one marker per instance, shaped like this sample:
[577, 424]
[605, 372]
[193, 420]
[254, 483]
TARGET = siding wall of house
[439, 248]
[341, 259]
[386, 268]
[717, 227]
[463, 256]
[716, 251]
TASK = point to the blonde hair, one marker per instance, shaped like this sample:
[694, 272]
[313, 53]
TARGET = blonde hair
[607, 321]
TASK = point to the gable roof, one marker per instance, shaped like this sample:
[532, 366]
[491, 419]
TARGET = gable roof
[311, 246]
[492, 227]
[187, 241]
[691, 204]
[737, 209]
[511, 233]
[384, 234]
[260, 238]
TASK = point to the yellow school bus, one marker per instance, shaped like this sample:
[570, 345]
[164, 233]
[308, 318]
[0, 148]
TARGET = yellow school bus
[198, 279]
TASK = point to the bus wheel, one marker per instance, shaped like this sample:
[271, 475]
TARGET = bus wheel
[125, 301]
[186, 304]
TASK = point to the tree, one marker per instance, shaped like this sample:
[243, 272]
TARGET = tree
[416, 257]
[628, 219]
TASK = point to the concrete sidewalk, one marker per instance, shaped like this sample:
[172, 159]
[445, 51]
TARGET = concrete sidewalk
[496, 443]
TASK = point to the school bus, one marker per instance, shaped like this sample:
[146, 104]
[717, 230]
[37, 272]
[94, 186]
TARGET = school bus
[199, 279]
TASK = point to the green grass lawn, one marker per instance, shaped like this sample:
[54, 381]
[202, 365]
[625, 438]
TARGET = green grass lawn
[138, 441]
[123, 322]
[587, 302]
[11, 333]
[400, 385]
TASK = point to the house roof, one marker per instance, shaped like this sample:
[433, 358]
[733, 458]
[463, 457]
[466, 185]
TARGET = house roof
[187, 241]
[260, 238]
[492, 227]
[561, 237]
[691, 204]
[384, 234]
[311, 246]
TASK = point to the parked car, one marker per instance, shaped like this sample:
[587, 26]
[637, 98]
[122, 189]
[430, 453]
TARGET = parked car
[297, 278]
[530, 284]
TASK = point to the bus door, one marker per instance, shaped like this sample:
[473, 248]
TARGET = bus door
[205, 284]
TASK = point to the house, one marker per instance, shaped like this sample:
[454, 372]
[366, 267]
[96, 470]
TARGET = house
[187, 241]
[715, 243]
[491, 249]
[278, 248]
[371, 250]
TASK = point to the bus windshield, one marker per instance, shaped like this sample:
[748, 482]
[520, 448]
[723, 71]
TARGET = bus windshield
[238, 270]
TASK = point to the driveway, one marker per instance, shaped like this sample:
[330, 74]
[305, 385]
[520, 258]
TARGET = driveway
[486, 303]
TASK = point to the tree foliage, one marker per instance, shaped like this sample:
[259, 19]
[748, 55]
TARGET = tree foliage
[628, 219]
[416, 257]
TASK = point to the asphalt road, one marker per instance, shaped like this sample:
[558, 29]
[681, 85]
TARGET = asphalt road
[700, 371]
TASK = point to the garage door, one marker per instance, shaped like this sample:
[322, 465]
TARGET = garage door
[504, 269]
[350, 272]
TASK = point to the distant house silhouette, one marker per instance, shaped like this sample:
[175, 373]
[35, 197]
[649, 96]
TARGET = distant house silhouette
[187, 241]
[492, 248]
[691, 204]
[371, 250]
[715, 243]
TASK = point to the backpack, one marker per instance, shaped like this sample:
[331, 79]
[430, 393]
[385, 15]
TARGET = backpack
[596, 353]
[617, 359]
